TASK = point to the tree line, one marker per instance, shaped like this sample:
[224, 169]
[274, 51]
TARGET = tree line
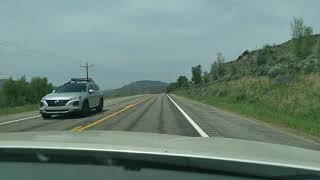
[198, 77]
[21, 92]
[302, 37]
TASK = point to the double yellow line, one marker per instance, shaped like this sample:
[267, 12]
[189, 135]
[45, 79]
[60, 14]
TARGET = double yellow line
[81, 128]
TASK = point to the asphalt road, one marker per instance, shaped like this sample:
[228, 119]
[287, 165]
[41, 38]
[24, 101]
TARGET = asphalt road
[159, 114]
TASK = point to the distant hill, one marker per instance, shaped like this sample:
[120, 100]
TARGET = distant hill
[138, 87]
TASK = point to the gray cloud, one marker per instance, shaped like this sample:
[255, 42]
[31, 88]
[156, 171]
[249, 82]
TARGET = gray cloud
[132, 40]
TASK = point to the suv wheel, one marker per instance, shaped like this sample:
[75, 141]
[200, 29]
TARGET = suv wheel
[45, 116]
[85, 109]
[100, 107]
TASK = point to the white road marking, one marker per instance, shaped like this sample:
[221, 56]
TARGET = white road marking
[195, 125]
[17, 120]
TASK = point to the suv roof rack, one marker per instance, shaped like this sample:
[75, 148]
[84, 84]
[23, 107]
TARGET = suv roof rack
[75, 80]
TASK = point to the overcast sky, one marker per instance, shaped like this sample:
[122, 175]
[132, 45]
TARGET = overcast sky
[129, 40]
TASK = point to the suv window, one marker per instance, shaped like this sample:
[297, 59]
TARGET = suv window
[90, 86]
[72, 87]
[96, 87]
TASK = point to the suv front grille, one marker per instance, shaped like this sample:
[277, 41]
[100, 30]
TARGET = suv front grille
[57, 102]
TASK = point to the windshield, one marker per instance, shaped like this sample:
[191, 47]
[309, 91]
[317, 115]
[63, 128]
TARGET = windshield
[245, 72]
[72, 88]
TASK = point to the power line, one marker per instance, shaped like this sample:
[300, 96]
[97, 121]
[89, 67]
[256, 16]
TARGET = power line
[87, 66]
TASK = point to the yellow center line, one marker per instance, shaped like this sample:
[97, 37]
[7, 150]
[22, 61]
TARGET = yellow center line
[80, 128]
[74, 129]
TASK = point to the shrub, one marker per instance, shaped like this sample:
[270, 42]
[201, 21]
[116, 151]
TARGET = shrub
[282, 80]
[21, 92]
[182, 81]
[303, 38]
[240, 95]
[2, 99]
[233, 70]
[246, 52]
[310, 65]
[196, 74]
[266, 46]
[206, 77]
[171, 87]
[260, 71]
[278, 70]
[264, 55]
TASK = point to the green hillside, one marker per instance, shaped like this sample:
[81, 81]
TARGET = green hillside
[278, 84]
[274, 60]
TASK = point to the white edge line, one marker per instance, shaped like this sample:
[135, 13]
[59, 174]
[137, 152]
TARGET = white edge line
[17, 120]
[195, 125]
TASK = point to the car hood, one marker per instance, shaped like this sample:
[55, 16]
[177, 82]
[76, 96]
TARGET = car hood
[173, 145]
[54, 96]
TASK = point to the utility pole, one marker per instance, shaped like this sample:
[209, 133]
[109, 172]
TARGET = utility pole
[87, 66]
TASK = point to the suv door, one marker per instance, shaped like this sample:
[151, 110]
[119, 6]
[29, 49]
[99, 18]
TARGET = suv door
[91, 96]
[98, 94]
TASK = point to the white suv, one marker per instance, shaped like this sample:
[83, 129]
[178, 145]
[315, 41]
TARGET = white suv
[78, 95]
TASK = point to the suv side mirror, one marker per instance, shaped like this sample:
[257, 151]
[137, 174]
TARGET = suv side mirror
[91, 91]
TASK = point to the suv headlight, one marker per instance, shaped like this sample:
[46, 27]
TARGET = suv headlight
[75, 103]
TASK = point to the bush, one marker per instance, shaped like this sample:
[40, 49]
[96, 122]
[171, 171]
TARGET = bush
[196, 74]
[303, 46]
[310, 65]
[2, 99]
[171, 87]
[264, 55]
[260, 71]
[206, 77]
[182, 81]
[246, 52]
[266, 46]
[40, 87]
[233, 70]
[240, 96]
[218, 67]
[278, 70]
[21, 92]
[282, 80]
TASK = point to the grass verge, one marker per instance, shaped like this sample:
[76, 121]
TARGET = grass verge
[18, 109]
[303, 122]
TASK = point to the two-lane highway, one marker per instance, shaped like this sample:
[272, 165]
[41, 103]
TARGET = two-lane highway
[159, 113]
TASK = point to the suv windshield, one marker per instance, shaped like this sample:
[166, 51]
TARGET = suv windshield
[72, 88]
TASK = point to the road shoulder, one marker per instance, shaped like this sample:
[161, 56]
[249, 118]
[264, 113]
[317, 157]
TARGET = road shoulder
[229, 124]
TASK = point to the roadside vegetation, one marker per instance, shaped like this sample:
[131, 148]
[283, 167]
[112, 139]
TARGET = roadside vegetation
[279, 84]
[20, 95]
